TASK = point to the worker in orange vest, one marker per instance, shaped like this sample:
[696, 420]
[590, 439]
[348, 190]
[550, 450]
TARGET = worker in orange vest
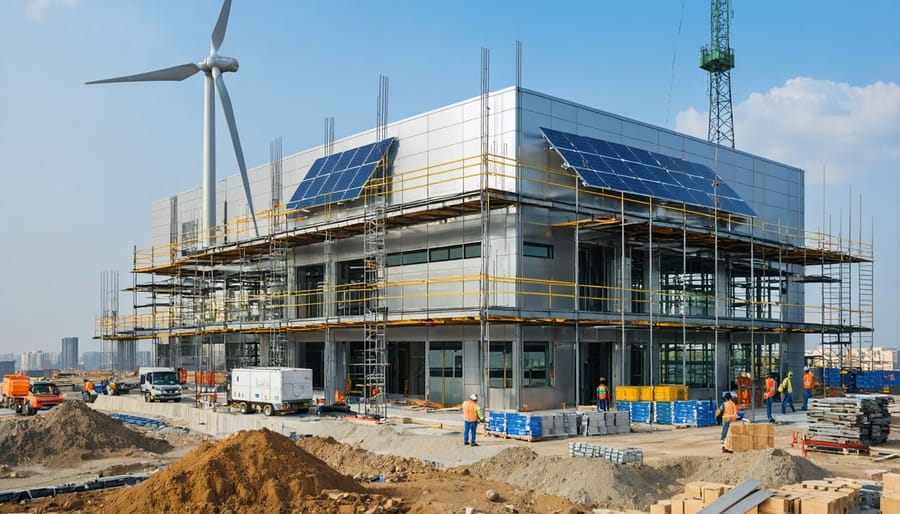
[602, 395]
[807, 386]
[729, 414]
[338, 396]
[471, 415]
[769, 396]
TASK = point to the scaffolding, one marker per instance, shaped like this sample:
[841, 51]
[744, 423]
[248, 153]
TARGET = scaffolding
[239, 293]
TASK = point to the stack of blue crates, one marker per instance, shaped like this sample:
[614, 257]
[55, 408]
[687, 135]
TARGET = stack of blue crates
[665, 412]
[514, 424]
[699, 413]
[519, 425]
[640, 411]
[832, 377]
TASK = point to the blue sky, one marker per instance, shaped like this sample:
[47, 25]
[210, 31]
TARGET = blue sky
[816, 86]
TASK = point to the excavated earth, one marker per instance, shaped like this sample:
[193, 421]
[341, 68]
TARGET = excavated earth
[264, 471]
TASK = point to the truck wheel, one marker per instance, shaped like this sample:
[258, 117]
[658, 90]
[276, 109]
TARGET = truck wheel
[268, 410]
[27, 410]
[244, 408]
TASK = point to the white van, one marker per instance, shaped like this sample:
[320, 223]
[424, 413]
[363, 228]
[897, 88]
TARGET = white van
[160, 384]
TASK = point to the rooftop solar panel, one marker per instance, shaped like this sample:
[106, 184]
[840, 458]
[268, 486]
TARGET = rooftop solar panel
[340, 176]
[617, 167]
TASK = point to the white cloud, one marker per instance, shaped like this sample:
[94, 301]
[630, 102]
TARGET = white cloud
[812, 123]
[36, 10]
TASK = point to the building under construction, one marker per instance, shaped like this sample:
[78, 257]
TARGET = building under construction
[514, 245]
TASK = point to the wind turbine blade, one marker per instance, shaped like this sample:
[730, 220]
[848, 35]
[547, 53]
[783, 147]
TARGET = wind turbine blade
[175, 73]
[235, 140]
[218, 33]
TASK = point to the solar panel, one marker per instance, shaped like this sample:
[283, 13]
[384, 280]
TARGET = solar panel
[340, 176]
[617, 167]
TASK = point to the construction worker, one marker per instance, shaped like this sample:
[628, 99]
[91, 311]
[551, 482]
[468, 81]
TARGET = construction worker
[807, 386]
[729, 414]
[87, 391]
[338, 396]
[602, 396]
[788, 391]
[769, 396]
[471, 415]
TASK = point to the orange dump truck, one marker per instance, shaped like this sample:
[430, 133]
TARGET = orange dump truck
[28, 396]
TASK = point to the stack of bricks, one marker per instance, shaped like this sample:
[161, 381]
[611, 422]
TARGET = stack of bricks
[616, 455]
[603, 423]
[890, 494]
[696, 496]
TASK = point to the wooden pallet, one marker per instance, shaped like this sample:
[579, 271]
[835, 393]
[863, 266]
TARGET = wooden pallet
[501, 435]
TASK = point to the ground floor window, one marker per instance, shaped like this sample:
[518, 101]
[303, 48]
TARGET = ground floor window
[698, 357]
[501, 372]
[537, 363]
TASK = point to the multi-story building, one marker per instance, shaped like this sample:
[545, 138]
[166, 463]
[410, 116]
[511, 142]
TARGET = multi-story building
[68, 355]
[516, 245]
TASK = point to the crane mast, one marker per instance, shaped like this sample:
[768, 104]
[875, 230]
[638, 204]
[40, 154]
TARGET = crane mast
[718, 59]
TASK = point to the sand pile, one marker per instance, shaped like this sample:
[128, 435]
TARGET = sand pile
[67, 434]
[249, 471]
[773, 468]
[354, 461]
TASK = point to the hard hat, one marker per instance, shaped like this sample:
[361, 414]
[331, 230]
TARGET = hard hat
[474, 397]
[805, 368]
[790, 373]
[727, 396]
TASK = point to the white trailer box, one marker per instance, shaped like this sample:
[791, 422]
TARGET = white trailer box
[271, 390]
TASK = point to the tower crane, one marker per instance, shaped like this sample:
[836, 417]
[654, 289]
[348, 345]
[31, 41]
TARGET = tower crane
[718, 59]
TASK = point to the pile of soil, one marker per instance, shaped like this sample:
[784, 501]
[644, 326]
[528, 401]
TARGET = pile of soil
[601, 483]
[361, 464]
[249, 471]
[68, 433]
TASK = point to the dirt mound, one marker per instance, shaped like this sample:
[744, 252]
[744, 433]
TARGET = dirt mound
[67, 434]
[249, 471]
[353, 461]
[773, 468]
[596, 482]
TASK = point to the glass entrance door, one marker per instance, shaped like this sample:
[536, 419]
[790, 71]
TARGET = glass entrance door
[445, 367]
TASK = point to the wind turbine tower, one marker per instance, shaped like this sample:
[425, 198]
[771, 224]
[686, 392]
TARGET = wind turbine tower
[213, 66]
[718, 60]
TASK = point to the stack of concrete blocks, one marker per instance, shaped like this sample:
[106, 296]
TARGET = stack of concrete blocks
[890, 494]
[561, 424]
[604, 423]
[616, 455]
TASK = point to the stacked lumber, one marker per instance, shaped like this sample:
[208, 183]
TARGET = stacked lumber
[616, 455]
[858, 419]
[830, 496]
[750, 436]
[890, 493]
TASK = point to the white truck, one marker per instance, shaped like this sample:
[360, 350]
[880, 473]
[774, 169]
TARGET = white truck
[270, 390]
[159, 384]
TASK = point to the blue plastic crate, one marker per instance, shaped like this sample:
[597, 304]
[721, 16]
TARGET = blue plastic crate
[700, 413]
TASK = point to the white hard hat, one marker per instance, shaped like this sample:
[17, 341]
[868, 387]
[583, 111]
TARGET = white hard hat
[805, 368]
[474, 397]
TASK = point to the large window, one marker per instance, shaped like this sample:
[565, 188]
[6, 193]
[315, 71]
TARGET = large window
[537, 369]
[698, 357]
[501, 372]
[537, 250]
[443, 253]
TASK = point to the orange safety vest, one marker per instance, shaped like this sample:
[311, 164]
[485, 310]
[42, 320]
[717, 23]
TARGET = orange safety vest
[471, 411]
[730, 411]
[770, 388]
[807, 380]
[602, 392]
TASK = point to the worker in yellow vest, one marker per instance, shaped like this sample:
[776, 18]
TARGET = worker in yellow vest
[471, 415]
[807, 386]
[788, 391]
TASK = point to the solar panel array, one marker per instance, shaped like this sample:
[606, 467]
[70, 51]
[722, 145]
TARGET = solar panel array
[616, 167]
[340, 176]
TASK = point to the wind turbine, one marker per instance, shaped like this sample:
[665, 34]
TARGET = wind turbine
[212, 67]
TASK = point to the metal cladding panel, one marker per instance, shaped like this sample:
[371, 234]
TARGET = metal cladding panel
[617, 167]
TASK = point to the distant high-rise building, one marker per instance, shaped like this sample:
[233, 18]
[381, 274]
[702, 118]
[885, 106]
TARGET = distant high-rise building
[91, 361]
[68, 356]
[7, 367]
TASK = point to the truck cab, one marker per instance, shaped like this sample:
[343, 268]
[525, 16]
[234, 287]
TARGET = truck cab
[159, 384]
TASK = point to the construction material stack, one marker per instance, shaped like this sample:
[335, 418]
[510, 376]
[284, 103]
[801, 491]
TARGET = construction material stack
[604, 423]
[890, 494]
[861, 420]
[615, 455]
[750, 436]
